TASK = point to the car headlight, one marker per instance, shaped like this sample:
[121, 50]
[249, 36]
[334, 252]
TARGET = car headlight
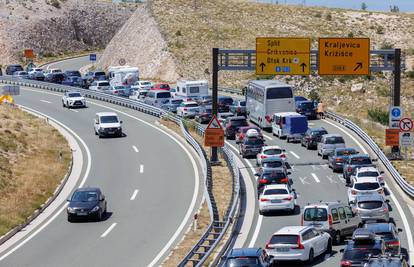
[71, 210]
[95, 209]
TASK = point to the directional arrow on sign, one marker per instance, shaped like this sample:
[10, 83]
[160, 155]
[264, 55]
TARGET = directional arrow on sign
[262, 65]
[358, 66]
[303, 65]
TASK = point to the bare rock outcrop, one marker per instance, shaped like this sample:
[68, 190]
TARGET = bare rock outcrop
[142, 45]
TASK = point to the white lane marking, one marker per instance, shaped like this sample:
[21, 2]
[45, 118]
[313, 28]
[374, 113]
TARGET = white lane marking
[135, 149]
[315, 177]
[73, 110]
[268, 137]
[134, 195]
[45, 101]
[294, 154]
[331, 179]
[108, 230]
[193, 163]
[394, 199]
[88, 168]
[141, 168]
[303, 180]
[341, 178]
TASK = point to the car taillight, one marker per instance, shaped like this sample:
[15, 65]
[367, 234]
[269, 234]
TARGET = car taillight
[185, 109]
[241, 136]
[385, 209]
[238, 109]
[263, 181]
[300, 245]
[156, 101]
[338, 160]
[283, 156]
[264, 200]
[349, 169]
[267, 117]
[354, 192]
[284, 180]
[380, 191]
[288, 198]
[346, 264]
[263, 156]
[268, 244]
[393, 244]
[330, 219]
[115, 92]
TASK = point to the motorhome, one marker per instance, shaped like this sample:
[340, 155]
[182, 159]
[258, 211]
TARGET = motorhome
[191, 89]
[123, 75]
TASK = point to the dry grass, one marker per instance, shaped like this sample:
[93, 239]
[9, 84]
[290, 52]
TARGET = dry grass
[30, 168]
[222, 190]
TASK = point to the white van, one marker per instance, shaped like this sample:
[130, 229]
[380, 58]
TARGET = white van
[157, 98]
[278, 120]
[191, 89]
[123, 75]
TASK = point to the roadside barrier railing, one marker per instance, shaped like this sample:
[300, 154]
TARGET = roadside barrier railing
[405, 186]
[217, 229]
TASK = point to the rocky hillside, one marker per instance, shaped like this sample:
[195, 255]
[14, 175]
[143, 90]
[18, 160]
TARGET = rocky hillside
[53, 27]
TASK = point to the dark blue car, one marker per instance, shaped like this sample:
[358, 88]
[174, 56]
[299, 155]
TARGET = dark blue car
[247, 257]
[337, 159]
[306, 108]
[87, 202]
[73, 81]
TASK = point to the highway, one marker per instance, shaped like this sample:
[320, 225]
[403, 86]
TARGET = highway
[151, 182]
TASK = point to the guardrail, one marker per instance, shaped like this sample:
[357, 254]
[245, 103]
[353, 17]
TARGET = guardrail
[408, 189]
[216, 230]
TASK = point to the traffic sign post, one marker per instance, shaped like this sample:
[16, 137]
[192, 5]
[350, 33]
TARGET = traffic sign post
[406, 125]
[395, 117]
[406, 140]
[392, 137]
[282, 56]
[214, 134]
[92, 57]
[344, 56]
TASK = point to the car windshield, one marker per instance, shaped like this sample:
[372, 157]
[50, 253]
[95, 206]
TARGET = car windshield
[273, 151]
[367, 186]
[145, 83]
[307, 105]
[368, 174]
[272, 164]
[335, 140]
[273, 175]
[239, 123]
[242, 103]
[360, 253]
[176, 101]
[85, 196]
[194, 105]
[315, 214]
[253, 141]
[319, 133]
[276, 192]
[242, 261]
[74, 95]
[103, 84]
[284, 239]
[346, 152]
[99, 73]
[119, 87]
[361, 161]
[370, 205]
[164, 86]
[164, 95]
[109, 119]
[226, 100]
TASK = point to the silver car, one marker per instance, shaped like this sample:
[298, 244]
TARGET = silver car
[372, 207]
[328, 144]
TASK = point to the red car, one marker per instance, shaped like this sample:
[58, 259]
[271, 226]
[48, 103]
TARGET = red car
[241, 133]
[161, 86]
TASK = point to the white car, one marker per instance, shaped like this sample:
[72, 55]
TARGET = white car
[107, 123]
[142, 85]
[138, 95]
[188, 109]
[368, 172]
[100, 86]
[277, 197]
[364, 186]
[303, 243]
[73, 99]
[270, 151]
[52, 71]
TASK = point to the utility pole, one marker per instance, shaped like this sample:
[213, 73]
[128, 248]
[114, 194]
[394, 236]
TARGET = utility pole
[214, 156]
[397, 88]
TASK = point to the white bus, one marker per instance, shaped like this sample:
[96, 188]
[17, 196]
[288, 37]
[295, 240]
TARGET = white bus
[266, 97]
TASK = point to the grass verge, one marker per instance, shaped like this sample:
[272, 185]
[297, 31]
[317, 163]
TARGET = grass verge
[34, 158]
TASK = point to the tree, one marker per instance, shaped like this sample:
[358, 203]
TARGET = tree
[394, 9]
[364, 6]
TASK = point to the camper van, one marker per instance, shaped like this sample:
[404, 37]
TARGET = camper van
[191, 89]
[123, 75]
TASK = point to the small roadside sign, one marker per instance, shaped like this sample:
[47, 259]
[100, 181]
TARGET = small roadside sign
[392, 137]
[214, 134]
[92, 57]
[29, 54]
[406, 125]
[344, 56]
[282, 56]
[395, 116]
[122, 61]
[406, 139]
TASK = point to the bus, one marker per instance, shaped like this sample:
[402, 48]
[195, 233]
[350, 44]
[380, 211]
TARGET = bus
[266, 97]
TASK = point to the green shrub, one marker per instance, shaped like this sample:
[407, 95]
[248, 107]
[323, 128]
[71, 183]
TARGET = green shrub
[314, 96]
[380, 30]
[329, 17]
[378, 115]
[410, 74]
[383, 91]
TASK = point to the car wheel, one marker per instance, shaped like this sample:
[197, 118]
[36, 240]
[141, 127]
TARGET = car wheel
[310, 259]
[257, 163]
[99, 216]
[95, 131]
[260, 212]
[63, 104]
[70, 219]
[329, 247]
[337, 238]
[287, 139]
[324, 157]
[307, 146]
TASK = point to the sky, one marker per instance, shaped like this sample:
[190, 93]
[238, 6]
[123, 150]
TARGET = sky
[373, 5]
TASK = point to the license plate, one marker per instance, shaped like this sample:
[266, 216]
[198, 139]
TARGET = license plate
[308, 113]
[276, 201]
[111, 132]
[82, 213]
[282, 249]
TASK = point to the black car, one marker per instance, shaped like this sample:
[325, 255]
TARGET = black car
[312, 137]
[56, 77]
[204, 115]
[364, 243]
[353, 162]
[13, 68]
[224, 103]
[247, 257]
[251, 146]
[306, 108]
[389, 233]
[87, 202]
[71, 73]
[233, 124]
[92, 76]
[73, 81]
[271, 177]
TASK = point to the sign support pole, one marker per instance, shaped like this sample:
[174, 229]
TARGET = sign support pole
[214, 156]
[397, 88]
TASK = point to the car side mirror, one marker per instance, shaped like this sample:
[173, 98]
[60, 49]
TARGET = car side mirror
[284, 150]
[257, 174]
[68, 200]
[102, 198]
[121, 122]
[387, 200]
[399, 230]
[289, 173]
[374, 160]
[341, 250]
[96, 122]
[381, 172]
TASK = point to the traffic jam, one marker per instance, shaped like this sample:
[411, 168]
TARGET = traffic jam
[362, 225]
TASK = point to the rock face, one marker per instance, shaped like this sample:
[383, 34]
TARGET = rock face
[57, 27]
[141, 44]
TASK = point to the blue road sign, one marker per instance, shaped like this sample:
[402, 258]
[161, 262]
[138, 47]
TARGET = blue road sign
[92, 57]
[278, 69]
[286, 69]
[396, 112]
